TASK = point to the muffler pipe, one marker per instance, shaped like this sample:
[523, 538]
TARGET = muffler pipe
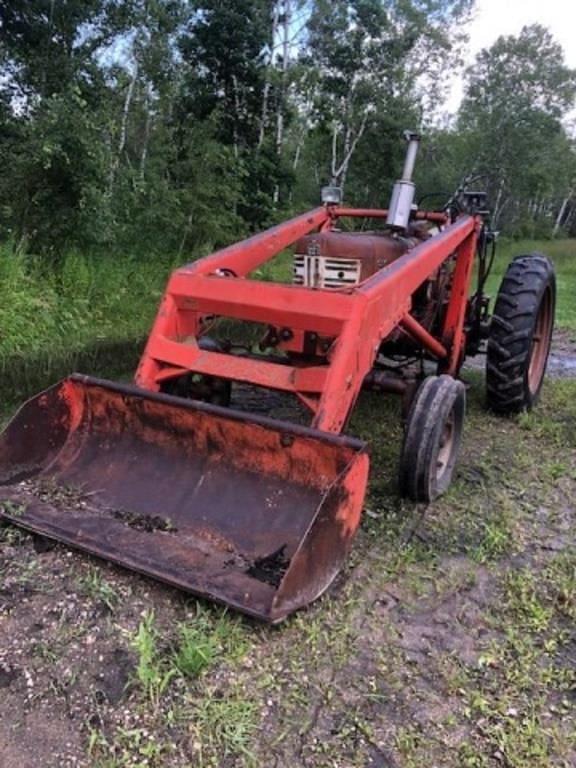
[400, 207]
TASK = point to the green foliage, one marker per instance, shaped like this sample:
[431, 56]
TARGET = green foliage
[198, 644]
[224, 727]
[170, 126]
[196, 651]
[153, 673]
[39, 36]
[364, 54]
[518, 91]
[84, 313]
[202, 640]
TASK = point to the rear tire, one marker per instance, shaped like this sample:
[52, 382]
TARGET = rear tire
[432, 438]
[520, 334]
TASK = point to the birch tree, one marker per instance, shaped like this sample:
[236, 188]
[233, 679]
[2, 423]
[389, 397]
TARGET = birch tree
[518, 92]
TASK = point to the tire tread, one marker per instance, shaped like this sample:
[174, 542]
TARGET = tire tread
[511, 331]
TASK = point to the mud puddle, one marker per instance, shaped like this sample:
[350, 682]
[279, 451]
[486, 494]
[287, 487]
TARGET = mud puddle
[561, 362]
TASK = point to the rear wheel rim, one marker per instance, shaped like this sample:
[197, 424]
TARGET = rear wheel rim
[540, 342]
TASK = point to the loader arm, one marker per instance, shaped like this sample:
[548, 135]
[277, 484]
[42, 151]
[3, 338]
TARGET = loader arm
[358, 319]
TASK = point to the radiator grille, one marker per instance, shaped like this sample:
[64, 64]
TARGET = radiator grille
[314, 271]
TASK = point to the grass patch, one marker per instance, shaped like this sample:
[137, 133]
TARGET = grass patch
[79, 300]
[562, 253]
[522, 602]
[204, 640]
[519, 697]
[131, 748]
[198, 644]
[222, 727]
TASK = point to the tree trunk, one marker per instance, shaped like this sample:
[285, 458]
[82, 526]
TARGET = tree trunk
[498, 204]
[147, 124]
[237, 115]
[123, 129]
[339, 173]
[333, 167]
[305, 116]
[267, 83]
[286, 20]
[561, 212]
[185, 233]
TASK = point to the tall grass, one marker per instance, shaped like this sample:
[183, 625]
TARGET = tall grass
[85, 311]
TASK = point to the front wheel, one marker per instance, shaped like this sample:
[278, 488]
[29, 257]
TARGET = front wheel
[432, 438]
[520, 334]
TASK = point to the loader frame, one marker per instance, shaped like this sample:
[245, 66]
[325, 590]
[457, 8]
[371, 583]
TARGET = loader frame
[353, 322]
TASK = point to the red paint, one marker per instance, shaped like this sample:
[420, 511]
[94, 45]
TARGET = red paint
[419, 333]
[353, 321]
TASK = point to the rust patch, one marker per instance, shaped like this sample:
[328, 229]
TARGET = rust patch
[216, 540]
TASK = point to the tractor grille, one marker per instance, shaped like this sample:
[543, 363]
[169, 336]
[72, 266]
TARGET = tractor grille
[323, 272]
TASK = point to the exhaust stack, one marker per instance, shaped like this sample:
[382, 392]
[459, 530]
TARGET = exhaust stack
[403, 192]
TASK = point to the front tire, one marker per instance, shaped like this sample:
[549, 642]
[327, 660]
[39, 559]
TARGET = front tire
[432, 438]
[521, 334]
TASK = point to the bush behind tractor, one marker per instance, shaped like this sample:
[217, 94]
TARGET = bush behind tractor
[167, 477]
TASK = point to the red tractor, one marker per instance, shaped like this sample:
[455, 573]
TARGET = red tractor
[168, 478]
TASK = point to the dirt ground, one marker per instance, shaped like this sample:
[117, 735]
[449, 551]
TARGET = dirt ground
[449, 640]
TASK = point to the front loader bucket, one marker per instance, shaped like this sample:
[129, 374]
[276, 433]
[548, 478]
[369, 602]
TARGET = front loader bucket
[250, 512]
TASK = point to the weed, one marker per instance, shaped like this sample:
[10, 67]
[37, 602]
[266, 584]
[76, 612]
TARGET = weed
[132, 747]
[469, 757]
[223, 727]
[12, 536]
[96, 588]
[96, 741]
[153, 673]
[408, 740]
[202, 640]
[196, 650]
[560, 579]
[496, 539]
[521, 739]
[522, 601]
[47, 651]
[12, 508]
